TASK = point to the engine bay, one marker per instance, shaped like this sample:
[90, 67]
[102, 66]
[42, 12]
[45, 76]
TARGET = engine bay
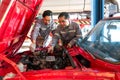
[27, 61]
[42, 60]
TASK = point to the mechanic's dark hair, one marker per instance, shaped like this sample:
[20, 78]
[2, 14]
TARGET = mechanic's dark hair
[47, 13]
[65, 14]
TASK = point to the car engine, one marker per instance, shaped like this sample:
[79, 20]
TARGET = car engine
[40, 59]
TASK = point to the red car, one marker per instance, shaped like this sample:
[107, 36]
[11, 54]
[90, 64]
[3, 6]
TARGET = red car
[95, 58]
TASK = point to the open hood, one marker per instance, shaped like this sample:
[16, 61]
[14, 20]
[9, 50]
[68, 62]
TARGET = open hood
[16, 18]
[73, 63]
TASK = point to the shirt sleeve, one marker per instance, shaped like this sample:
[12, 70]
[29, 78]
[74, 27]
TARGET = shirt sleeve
[35, 31]
[56, 37]
[78, 34]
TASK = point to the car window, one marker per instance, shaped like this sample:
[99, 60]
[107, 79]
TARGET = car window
[103, 41]
[111, 31]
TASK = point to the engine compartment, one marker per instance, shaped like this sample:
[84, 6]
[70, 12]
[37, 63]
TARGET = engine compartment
[40, 59]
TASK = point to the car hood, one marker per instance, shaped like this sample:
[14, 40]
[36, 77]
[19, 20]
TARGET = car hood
[16, 18]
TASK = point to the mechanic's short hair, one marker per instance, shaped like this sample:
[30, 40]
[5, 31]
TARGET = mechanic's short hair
[65, 14]
[47, 13]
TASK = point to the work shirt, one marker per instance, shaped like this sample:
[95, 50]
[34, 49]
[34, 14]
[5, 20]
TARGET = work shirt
[41, 30]
[69, 34]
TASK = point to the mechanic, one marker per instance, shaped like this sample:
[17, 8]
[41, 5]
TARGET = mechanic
[42, 28]
[68, 32]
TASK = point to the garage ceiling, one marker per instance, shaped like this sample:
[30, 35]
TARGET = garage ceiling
[66, 5]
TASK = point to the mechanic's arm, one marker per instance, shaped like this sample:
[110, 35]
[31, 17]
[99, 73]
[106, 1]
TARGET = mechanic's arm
[55, 39]
[78, 35]
[34, 35]
[35, 32]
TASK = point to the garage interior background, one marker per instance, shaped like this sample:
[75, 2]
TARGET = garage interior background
[75, 6]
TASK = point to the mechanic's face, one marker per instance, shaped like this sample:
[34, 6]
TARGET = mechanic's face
[63, 22]
[47, 20]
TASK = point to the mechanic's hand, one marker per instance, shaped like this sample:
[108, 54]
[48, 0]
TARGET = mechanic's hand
[69, 45]
[60, 42]
[50, 49]
[32, 47]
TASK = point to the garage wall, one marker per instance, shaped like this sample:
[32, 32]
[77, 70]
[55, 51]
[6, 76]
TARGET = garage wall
[66, 5]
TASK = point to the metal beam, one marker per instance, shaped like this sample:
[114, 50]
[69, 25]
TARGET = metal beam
[97, 11]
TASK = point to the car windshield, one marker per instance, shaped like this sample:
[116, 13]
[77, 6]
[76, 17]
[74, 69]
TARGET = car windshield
[103, 41]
